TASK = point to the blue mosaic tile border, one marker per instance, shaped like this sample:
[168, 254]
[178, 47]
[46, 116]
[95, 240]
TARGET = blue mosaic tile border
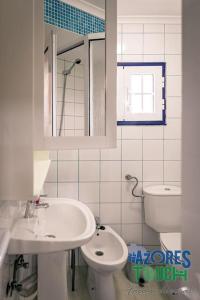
[71, 18]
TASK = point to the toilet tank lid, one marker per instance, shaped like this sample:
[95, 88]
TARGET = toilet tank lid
[162, 190]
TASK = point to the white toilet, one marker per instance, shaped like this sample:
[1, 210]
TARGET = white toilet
[104, 254]
[162, 206]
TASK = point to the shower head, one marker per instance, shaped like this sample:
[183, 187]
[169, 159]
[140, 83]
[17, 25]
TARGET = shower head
[68, 71]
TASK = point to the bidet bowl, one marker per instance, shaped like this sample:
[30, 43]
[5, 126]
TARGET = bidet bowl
[64, 225]
[106, 251]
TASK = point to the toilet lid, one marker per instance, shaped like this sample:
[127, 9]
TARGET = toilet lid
[171, 241]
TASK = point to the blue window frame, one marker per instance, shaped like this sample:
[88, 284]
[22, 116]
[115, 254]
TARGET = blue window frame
[140, 103]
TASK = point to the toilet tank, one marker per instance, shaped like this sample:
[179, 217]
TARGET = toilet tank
[162, 207]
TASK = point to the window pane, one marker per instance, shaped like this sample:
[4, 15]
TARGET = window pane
[148, 84]
[148, 103]
[136, 84]
[135, 103]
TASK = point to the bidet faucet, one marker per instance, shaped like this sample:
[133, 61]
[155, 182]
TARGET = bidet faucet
[97, 220]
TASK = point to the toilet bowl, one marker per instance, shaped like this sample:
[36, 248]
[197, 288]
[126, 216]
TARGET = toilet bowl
[105, 253]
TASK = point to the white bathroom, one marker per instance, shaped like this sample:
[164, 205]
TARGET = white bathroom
[99, 149]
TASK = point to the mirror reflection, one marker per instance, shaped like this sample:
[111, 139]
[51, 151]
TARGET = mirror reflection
[74, 71]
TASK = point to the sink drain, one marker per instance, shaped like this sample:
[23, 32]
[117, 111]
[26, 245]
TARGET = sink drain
[99, 253]
[50, 236]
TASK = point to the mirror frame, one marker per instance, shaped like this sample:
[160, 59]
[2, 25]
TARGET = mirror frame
[82, 142]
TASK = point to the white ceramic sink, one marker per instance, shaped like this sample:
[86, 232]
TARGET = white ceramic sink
[64, 225]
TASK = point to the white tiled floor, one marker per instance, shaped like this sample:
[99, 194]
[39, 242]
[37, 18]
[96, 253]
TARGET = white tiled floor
[125, 290]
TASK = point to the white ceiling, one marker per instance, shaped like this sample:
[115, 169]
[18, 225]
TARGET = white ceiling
[149, 7]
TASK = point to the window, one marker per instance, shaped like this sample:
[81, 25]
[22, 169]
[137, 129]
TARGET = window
[141, 94]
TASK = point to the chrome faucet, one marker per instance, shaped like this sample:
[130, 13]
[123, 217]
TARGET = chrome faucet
[29, 209]
[97, 220]
[31, 206]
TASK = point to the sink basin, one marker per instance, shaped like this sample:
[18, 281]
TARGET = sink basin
[65, 224]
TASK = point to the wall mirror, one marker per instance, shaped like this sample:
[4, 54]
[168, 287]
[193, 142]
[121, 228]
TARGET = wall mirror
[79, 82]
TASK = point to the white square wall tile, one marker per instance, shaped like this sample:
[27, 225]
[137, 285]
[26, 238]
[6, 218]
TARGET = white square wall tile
[173, 28]
[131, 149]
[69, 109]
[94, 207]
[50, 189]
[127, 191]
[132, 233]
[88, 171]
[69, 95]
[79, 109]
[153, 28]
[110, 192]
[154, 43]
[67, 171]
[153, 171]
[132, 132]
[150, 237]
[112, 154]
[89, 154]
[133, 168]
[172, 171]
[131, 58]
[174, 86]
[154, 58]
[79, 123]
[79, 96]
[153, 149]
[119, 132]
[79, 83]
[172, 150]
[173, 129]
[69, 190]
[132, 28]
[153, 132]
[89, 192]
[174, 107]
[68, 122]
[52, 173]
[172, 43]
[111, 171]
[110, 213]
[68, 155]
[173, 64]
[131, 213]
[132, 43]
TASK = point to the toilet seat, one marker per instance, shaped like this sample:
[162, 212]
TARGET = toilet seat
[170, 241]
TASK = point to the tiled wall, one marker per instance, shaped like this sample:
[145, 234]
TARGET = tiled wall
[73, 122]
[71, 18]
[152, 153]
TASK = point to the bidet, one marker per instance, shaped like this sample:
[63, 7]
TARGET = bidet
[105, 253]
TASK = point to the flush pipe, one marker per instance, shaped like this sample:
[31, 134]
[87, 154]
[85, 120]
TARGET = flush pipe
[129, 177]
